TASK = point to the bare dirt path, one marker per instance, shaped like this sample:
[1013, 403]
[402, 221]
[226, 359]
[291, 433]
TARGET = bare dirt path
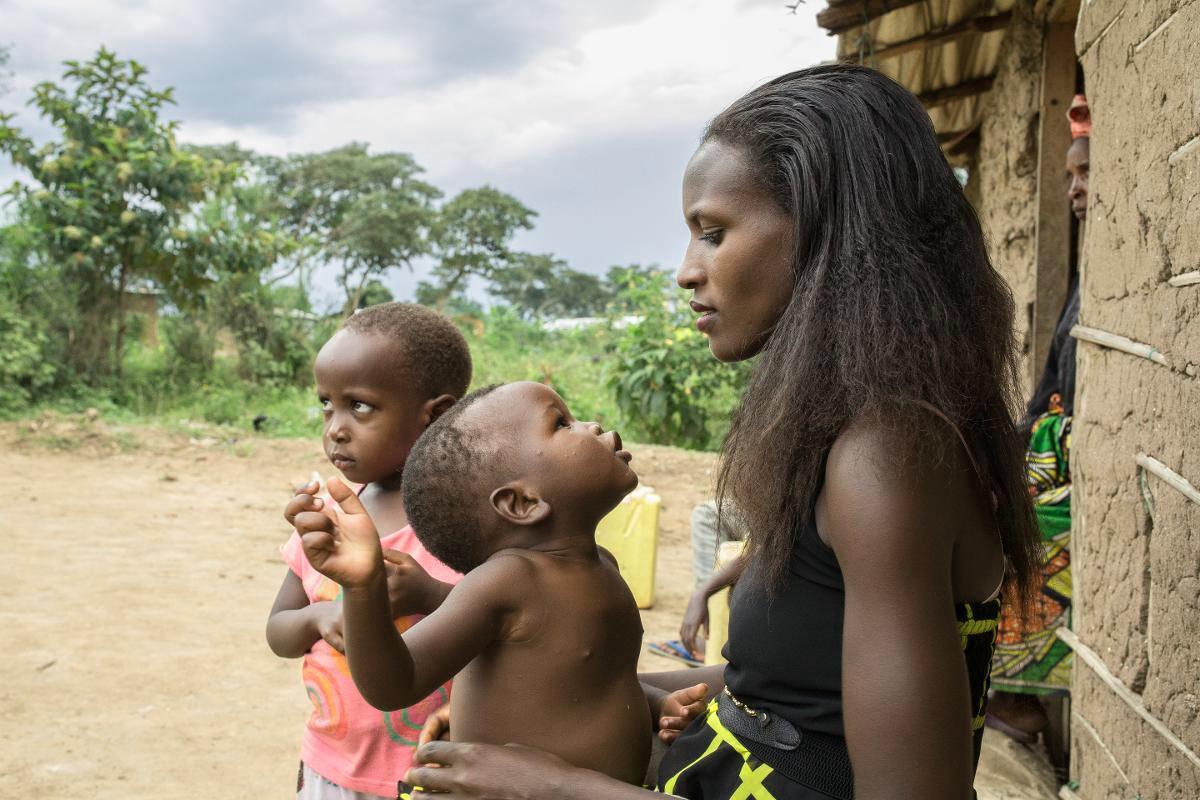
[136, 573]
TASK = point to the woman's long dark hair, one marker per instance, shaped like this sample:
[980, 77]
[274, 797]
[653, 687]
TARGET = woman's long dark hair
[896, 307]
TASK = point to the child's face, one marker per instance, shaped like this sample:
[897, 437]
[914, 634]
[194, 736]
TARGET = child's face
[373, 413]
[574, 465]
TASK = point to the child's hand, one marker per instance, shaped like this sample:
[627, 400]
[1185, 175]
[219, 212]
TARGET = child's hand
[437, 726]
[694, 618]
[305, 500]
[329, 623]
[411, 590]
[344, 545]
[679, 709]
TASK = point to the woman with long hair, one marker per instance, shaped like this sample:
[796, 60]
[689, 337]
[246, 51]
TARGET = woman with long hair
[873, 460]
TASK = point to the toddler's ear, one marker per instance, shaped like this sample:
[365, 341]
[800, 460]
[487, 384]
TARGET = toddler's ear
[520, 505]
[435, 407]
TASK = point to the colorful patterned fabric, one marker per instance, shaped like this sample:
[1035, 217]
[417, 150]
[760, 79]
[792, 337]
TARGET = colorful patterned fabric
[347, 741]
[708, 762]
[1030, 658]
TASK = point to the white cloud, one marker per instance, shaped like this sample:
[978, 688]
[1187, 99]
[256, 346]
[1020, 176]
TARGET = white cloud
[680, 65]
[585, 111]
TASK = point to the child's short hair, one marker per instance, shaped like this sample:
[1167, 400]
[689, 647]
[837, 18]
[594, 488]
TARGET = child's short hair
[441, 476]
[430, 346]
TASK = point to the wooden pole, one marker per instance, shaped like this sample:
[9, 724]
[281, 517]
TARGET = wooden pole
[1116, 341]
[1186, 279]
[1052, 249]
[1134, 701]
[939, 97]
[967, 27]
[844, 16]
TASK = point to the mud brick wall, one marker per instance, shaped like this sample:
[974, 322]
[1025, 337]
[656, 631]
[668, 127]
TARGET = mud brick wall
[1002, 179]
[1136, 541]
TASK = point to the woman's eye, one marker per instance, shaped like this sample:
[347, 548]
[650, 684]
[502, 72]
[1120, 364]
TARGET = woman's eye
[712, 237]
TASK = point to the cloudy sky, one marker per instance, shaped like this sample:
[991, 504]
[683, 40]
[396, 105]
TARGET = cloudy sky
[587, 112]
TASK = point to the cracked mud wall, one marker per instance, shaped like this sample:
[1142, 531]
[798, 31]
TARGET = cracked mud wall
[1136, 541]
[1002, 179]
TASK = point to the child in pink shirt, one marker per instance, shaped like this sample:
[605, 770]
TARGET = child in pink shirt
[382, 379]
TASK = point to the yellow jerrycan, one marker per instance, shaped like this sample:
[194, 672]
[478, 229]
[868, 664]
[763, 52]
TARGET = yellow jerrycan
[718, 606]
[630, 533]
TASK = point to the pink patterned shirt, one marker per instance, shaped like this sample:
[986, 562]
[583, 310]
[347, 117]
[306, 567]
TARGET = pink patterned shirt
[347, 740]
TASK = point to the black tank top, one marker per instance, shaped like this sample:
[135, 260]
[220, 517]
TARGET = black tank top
[785, 654]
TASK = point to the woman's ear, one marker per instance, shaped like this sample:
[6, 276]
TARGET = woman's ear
[517, 503]
[435, 407]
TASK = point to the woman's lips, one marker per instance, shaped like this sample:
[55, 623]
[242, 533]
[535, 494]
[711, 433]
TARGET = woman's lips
[708, 316]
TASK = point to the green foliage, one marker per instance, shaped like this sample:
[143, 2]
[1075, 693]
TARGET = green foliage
[109, 199]
[663, 378]
[472, 239]
[375, 293]
[4, 74]
[228, 240]
[368, 213]
[24, 372]
[539, 286]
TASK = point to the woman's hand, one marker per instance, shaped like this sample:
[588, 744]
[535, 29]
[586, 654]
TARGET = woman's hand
[491, 772]
[679, 709]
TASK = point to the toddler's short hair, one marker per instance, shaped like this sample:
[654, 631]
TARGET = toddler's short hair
[441, 478]
[429, 345]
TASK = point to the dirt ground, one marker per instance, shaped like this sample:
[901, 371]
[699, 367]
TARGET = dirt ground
[137, 571]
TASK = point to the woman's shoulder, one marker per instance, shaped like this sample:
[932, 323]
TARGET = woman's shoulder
[905, 442]
[908, 464]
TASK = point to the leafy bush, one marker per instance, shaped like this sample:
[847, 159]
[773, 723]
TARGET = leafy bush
[24, 370]
[667, 386]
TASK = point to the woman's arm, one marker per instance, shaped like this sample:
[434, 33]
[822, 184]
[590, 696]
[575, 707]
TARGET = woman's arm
[889, 516]
[492, 772]
[675, 680]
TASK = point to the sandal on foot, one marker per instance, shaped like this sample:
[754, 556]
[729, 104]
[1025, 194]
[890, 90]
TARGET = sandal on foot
[675, 650]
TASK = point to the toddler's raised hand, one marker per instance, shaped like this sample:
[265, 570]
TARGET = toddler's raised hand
[679, 709]
[345, 546]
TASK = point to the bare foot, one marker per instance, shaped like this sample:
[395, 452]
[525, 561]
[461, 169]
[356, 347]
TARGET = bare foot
[1021, 716]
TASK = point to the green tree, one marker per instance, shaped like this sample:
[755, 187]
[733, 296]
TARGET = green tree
[472, 238]
[540, 285]
[4, 73]
[110, 199]
[375, 293]
[368, 213]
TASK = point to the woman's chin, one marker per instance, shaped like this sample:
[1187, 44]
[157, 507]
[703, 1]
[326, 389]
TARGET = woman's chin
[726, 353]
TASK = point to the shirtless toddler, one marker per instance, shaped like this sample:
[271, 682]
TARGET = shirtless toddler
[542, 632]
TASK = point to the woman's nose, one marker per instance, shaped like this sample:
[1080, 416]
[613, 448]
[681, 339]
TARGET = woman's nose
[690, 273]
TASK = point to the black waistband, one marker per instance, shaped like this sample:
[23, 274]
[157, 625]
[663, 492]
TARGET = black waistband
[816, 760]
